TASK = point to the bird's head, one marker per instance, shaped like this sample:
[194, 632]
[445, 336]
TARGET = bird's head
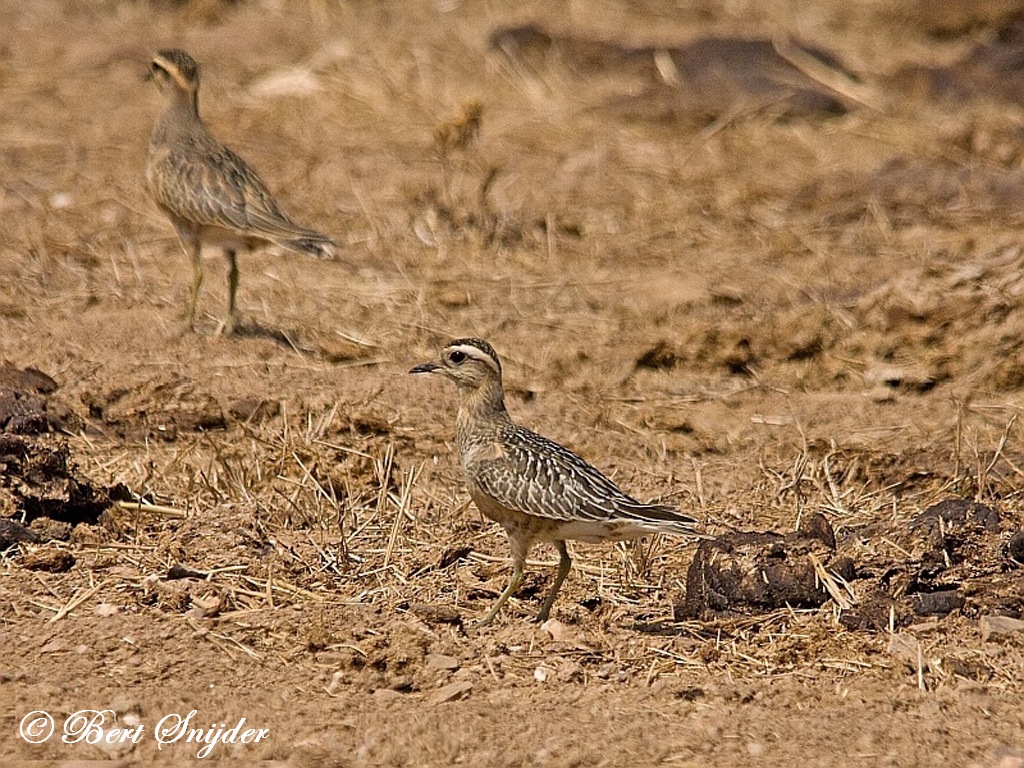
[175, 72]
[470, 363]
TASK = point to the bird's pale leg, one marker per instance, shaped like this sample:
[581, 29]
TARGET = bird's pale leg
[232, 321]
[564, 564]
[519, 550]
[513, 585]
[197, 281]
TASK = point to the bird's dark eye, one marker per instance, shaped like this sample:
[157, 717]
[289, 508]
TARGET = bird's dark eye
[457, 357]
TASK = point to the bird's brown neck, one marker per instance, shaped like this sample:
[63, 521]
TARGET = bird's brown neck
[480, 407]
[182, 111]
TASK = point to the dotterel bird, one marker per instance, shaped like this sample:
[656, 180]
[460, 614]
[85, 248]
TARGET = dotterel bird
[535, 488]
[207, 191]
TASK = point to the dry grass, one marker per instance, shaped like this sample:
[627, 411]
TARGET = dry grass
[827, 308]
[303, 511]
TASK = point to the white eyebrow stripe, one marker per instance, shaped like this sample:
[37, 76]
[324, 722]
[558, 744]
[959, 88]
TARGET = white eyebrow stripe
[173, 71]
[474, 352]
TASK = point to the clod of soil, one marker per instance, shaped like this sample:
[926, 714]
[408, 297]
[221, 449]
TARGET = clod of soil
[39, 479]
[661, 355]
[253, 409]
[47, 558]
[953, 532]
[749, 573]
[876, 612]
[952, 561]
[14, 533]
[49, 529]
[940, 603]
[1015, 547]
[161, 408]
[991, 70]
[707, 76]
[949, 18]
[25, 408]
[435, 614]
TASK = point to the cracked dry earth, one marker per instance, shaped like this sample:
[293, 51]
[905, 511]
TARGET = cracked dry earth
[758, 259]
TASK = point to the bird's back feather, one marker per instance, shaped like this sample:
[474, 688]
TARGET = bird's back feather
[532, 475]
[196, 179]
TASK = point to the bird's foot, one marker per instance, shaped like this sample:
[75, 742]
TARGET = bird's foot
[486, 620]
[230, 327]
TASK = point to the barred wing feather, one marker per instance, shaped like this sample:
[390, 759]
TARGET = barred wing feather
[539, 477]
[217, 188]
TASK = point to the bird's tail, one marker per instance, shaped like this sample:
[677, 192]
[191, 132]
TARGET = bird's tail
[658, 518]
[315, 244]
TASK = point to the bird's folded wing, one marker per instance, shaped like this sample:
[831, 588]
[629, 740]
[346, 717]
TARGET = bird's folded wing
[536, 476]
[218, 188]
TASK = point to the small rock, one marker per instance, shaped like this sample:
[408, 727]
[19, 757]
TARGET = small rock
[569, 671]
[330, 54]
[439, 662]
[61, 200]
[914, 379]
[906, 648]
[206, 606]
[450, 692]
[999, 625]
[402, 684]
[337, 679]
[132, 717]
[106, 610]
[755, 748]
[559, 632]
[179, 571]
[880, 394]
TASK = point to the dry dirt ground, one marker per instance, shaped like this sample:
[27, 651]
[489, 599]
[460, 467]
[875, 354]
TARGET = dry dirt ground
[755, 306]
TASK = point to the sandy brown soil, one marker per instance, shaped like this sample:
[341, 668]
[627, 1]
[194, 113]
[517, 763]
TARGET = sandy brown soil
[729, 303]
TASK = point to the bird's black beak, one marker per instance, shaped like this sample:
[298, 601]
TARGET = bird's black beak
[425, 368]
